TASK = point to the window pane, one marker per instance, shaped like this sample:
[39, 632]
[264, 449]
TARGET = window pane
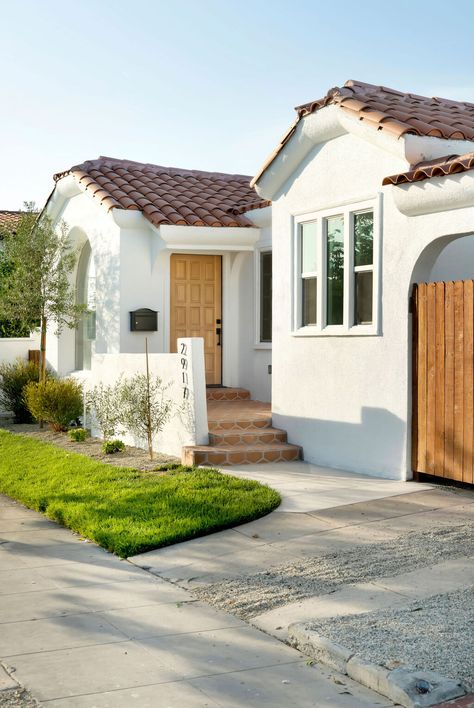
[363, 297]
[266, 297]
[335, 270]
[308, 248]
[309, 301]
[364, 239]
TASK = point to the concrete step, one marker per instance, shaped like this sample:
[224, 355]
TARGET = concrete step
[235, 436]
[240, 454]
[227, 394]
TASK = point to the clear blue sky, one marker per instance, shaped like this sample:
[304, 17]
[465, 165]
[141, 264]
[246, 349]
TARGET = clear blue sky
[203, 84]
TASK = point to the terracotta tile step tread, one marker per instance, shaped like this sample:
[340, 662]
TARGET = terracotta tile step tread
[248, 436]
[227, 394]
[249, 424]
[237, 407]
[240, 455]
[238, 447]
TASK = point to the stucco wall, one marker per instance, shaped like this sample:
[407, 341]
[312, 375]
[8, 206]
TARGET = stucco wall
[456, 261]
[188, 424]
[15, 348]
[346, 399]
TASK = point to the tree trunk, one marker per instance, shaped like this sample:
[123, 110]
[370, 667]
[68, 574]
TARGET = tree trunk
[148, 403]
[43, 351]
[42, 371]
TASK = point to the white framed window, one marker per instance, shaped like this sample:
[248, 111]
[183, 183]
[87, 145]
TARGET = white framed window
[336, 274]
[263, 300]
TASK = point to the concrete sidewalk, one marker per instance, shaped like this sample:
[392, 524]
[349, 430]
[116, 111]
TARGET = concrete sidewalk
[293, 530]
[82, 628]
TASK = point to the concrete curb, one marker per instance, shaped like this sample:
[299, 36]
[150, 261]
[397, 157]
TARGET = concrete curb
[404, 686]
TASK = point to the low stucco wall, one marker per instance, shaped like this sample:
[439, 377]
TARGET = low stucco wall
[183, 373]
[15, 348]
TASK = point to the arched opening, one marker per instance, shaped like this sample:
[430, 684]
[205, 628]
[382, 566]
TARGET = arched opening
[85, 293]
[442, 360]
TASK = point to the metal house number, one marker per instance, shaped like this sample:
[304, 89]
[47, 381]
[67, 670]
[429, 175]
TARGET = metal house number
[184, 370]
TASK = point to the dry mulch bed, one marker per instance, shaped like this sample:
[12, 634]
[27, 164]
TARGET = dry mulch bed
[92, 447]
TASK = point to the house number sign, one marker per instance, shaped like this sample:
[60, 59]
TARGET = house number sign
[184, 370]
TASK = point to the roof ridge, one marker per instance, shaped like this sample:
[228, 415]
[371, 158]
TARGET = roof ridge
[124, 162]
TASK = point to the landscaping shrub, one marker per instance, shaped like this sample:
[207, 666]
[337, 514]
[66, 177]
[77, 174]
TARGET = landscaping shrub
[58, 402]
[78, 434]
[145, 407]
[13, 379]
[103, 401]
[112, 446]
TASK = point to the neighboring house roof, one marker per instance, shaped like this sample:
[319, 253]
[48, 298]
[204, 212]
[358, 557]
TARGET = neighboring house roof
[440, 167]
[9, 219]
[168, 195]
[391, 111]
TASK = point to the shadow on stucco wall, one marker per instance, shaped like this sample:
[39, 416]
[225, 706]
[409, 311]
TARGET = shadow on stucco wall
[375, 445]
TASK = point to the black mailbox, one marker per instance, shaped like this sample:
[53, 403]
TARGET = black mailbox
[144, 320]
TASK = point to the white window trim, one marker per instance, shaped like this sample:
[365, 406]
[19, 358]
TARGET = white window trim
[264, 248]
[348, 328]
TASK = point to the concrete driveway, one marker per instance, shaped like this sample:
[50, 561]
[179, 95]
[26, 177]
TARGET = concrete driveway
[81, 628]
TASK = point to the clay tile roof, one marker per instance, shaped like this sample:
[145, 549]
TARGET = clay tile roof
[168, 195]
[9, 219]
[440, 167]
[403, 112]
[391, 111]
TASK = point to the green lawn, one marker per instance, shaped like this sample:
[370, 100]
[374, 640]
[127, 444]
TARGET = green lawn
[122, 509]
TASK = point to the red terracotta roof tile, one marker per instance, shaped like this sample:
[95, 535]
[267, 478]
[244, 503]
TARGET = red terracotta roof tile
[9, 219]
[442, 166]
[391, 111]
[168, 195]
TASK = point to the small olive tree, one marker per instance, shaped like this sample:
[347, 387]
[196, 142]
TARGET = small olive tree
[104, 403]
[145, 407]
[35, 288]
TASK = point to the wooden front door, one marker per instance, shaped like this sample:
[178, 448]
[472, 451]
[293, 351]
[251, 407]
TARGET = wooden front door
[443, 380]
[196, 307]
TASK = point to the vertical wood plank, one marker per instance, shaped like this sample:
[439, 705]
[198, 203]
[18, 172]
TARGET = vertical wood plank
[449, 381]
[421, 379]
[439, 381]
[458, 378]
[468, 366]
[414, 379]
[431, 378]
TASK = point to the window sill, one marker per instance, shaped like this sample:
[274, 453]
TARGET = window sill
[262, 345]
[337, 331]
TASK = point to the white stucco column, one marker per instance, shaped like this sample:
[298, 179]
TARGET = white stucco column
[193, 384]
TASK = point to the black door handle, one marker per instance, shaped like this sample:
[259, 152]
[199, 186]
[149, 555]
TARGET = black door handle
[219, 335]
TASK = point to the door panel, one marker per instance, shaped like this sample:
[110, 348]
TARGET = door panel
[195, 294]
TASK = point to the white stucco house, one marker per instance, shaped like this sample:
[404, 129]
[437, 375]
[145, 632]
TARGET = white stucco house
[369, 192]
[372, 191]
[168, 254]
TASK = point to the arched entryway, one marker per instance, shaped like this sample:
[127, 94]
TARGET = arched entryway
[442, 306]
[85, 293]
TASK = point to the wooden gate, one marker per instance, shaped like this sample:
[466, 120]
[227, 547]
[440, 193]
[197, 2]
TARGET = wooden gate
[443, 375]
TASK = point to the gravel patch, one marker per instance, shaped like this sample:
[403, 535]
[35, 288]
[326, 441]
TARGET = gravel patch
[17, 698]
[92, 447]
[432, 634]
[252, 594]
